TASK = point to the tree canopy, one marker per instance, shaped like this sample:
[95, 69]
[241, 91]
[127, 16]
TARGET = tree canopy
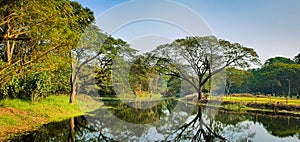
[35, 35]
[35, 39]
[279, 60]
[196, 59]
[275, 78]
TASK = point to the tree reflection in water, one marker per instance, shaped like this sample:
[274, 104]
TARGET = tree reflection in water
[168, 121]
[85, 131]
[196, 130]
[174, 128]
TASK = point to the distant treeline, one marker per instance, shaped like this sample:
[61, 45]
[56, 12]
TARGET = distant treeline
[278, 76]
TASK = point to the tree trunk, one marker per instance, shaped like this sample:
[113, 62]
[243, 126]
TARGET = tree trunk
[73, 80]
[72, 130]
[73, 93]
[8, 52]
[200, 93]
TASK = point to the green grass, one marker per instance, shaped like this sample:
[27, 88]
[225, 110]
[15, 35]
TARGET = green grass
[8, 120]
[19, 115]
[15, 103]
[53, 107]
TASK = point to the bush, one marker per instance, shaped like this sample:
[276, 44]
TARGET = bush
[33, 87]
[12, 89]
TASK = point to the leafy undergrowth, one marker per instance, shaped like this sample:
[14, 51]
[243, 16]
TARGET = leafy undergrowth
[19, 115]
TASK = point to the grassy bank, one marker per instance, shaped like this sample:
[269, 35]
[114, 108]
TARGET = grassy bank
[282, 100]
[262, 104]
[252, 104]
[19, 115]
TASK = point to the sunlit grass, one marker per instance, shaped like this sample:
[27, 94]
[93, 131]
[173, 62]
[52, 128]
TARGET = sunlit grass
[53, 107]
[20, 115]
[8, 120]
[290, 101]
[15, 103]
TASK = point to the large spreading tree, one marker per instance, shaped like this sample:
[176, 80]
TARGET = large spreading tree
[196, 59]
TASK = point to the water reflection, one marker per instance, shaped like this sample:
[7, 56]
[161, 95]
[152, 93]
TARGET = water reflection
[170, 121]
[124, 122]
[197, 129]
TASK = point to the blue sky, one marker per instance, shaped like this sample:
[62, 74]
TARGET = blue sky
[271, 27]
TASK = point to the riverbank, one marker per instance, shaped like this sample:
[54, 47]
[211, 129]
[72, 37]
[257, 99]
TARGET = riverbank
[268, 105]
[276, 106]
[18, 116]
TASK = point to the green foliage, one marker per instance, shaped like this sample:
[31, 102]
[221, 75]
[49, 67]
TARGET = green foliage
[279, 60]
[275, 79]
[35, 40]
[143, 77]
[94, 59]
[12, 89]
[32, 87]
[39, 86]
[34, 31]
[35, 87]
[235, 78]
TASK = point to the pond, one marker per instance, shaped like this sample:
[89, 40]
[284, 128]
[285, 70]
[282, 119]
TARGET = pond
[166, 120]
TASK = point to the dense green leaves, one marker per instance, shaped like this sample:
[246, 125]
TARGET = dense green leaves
[279, 60]
[275, 77]
[235, 79]
[36, 37]
[33, 31]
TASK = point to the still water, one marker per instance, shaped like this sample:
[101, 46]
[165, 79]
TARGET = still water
[167, 120]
